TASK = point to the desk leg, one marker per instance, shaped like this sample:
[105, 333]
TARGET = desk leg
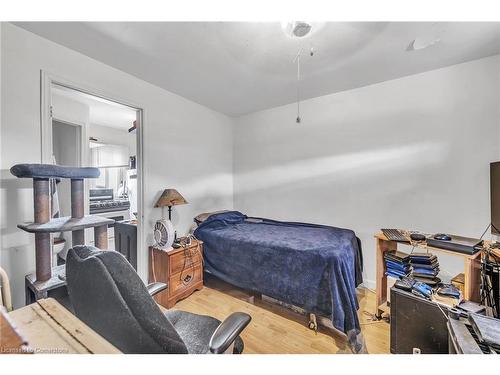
[381, 282]
[472, 279]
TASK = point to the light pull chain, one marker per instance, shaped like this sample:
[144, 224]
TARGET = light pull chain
[298, 89]
[297, 58]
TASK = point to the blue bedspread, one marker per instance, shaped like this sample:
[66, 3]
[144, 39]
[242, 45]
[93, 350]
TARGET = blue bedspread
[311, 266]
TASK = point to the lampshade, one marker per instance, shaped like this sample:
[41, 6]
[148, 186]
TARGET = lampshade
[170, 197]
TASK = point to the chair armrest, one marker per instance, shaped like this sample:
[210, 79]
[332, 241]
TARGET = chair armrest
[228, 331]
[155, 288]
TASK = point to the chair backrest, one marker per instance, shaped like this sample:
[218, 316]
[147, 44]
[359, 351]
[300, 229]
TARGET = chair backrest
[108, 295]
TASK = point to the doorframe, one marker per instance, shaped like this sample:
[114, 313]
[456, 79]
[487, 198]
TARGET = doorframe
[46, 81]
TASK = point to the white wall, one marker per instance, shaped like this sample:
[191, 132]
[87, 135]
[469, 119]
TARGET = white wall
[109, 135]
[69, 110]
[186, 145]
[408, 153]
[65, 139]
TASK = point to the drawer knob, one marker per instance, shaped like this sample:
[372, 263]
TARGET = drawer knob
[187, 279]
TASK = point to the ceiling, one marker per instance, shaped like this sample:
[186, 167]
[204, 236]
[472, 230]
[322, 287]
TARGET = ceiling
[241, 67]
[101, 111]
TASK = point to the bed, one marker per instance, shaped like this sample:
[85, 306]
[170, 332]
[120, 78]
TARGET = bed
[314, 267]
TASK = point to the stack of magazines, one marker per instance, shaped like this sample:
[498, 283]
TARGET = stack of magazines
[425, 268]
[397, 264]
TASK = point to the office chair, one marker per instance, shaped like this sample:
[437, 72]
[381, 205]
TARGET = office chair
[108, 295]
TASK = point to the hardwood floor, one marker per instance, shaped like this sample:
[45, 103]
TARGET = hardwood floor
[278, 330]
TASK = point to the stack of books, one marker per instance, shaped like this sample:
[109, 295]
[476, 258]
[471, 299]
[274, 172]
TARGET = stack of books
[425, 268]
[397, 264]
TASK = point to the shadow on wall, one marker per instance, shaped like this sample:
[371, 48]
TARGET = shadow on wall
[363, 191]
[17, 254]
[331, 134]
[395, 161]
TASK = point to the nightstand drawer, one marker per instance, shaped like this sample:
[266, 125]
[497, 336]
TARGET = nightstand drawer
[179, 283]
[183, 259]
[167, 267]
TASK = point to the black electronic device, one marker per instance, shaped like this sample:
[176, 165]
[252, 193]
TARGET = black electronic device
[463, 338]
[181, 242]
[418, 237]
[405, 283]
[423, 289]
[487, 329]
[397, 264]
[471, 307]
[442, 237]
[425, 268]
[429, 281]
[431, 266]
[423, 258]
[395, 235]
[397, 256]
[448, 290]
[459, 244]
[417, 323]
[425, 276]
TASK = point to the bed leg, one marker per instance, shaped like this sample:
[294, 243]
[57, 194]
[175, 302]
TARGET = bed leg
[313, 324]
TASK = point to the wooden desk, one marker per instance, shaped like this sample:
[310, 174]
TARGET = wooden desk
[51, 329]
[472, 271]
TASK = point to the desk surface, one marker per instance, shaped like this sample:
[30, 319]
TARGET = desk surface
[423, 246]
[49, 328]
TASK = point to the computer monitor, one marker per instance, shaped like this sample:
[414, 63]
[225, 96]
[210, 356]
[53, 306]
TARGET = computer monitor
[495, 197]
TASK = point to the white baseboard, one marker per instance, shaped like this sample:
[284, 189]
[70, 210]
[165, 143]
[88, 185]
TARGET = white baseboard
[369, 284]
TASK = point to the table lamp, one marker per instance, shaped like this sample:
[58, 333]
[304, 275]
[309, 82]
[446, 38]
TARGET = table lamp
[164, 234]
[169, 198]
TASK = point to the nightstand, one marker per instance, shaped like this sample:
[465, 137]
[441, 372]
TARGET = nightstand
[181, 269]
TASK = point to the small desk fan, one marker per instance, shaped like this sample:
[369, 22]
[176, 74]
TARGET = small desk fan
[163, 234]
[163, 231]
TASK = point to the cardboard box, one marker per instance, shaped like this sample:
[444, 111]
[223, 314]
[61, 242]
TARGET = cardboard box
[459, 282]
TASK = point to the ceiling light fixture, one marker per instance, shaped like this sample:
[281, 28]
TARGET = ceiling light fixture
[422, 43]
[93, 143]
[430, 36]
[297, 29]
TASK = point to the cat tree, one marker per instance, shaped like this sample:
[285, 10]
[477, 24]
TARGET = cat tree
[48, 280]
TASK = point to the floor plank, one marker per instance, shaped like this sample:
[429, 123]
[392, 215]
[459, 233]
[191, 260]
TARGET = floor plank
[278, 330]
